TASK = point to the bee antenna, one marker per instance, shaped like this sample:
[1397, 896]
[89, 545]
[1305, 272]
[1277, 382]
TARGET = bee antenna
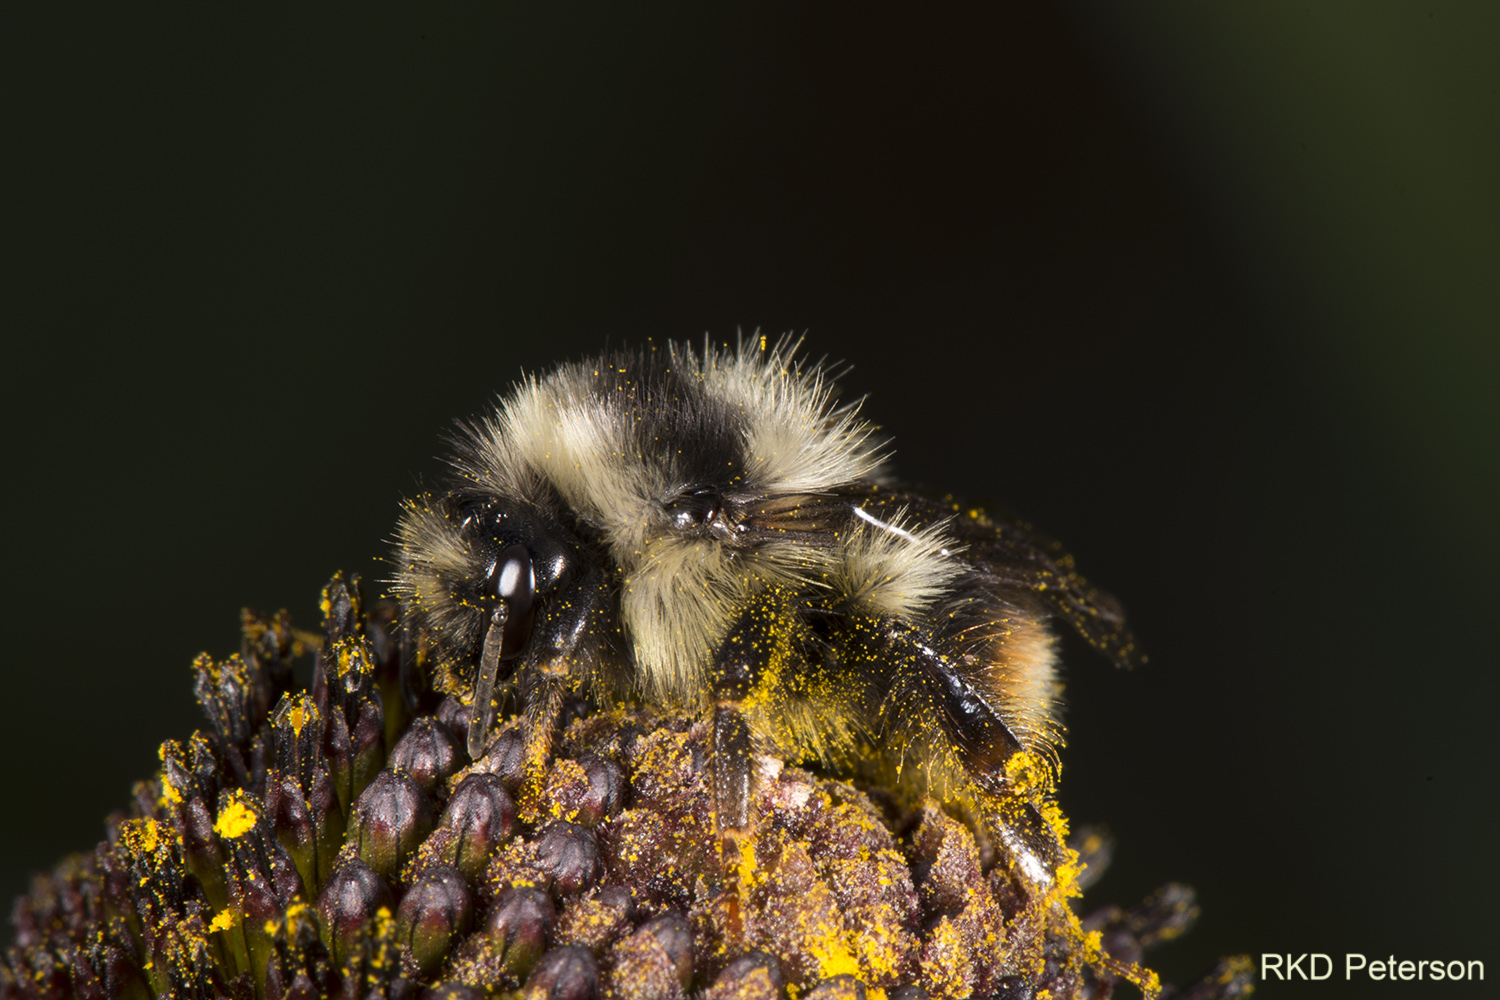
[483, 713]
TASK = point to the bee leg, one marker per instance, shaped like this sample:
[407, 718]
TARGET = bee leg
[1016, 789]
[545, 692]
[1014, 783]
[739, 672]
[1036, 850]
[736, 671]
[752, 659]
[733, 768]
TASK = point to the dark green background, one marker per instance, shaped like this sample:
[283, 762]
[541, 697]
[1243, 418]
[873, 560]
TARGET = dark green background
[1207, 291]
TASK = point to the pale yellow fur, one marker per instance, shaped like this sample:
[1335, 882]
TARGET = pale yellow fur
[681, 593]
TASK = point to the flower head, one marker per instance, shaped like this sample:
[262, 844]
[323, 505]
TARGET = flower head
[335, 841]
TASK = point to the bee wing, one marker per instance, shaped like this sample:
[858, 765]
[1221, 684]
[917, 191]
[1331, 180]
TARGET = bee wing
[1018, 555]
[807, 518]
[1011, 554]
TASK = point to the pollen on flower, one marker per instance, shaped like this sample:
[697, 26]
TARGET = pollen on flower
[298, 718]
[235, 820]
[828, 945]
[329, 832]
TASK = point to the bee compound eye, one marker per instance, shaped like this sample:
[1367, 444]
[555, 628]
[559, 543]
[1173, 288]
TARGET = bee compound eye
[515, 576]
[513, 580]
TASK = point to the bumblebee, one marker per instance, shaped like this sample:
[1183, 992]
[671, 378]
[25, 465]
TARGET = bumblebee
[714, 533]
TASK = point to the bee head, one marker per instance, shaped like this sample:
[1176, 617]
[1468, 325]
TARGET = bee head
[473, 564]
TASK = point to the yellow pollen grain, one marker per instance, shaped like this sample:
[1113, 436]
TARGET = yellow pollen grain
[222, 921]
[235, 820]
[828, 948]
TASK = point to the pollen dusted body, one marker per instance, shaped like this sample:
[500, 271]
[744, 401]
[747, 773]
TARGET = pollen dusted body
[708, 532]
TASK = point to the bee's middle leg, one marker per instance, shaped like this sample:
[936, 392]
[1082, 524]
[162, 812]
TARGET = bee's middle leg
[747, 667]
